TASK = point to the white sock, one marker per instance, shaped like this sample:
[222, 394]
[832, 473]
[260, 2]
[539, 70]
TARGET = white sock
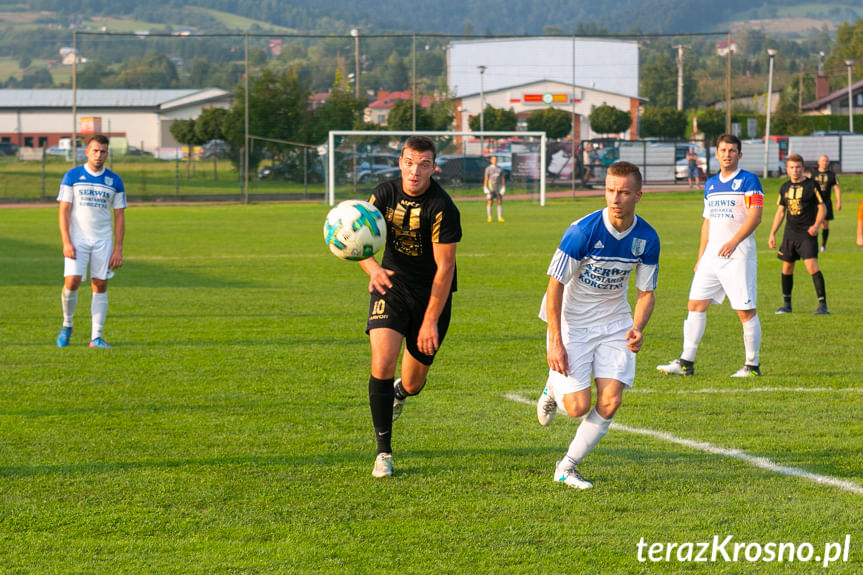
[99, 311]
[693, 331]
[500, 211]
[68, 299]
[752, 340]
[589, 432]
[488, 210]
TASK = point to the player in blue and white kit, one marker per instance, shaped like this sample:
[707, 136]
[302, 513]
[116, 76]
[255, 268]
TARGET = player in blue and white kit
[88, 196]
[591, 330]
[727, 259]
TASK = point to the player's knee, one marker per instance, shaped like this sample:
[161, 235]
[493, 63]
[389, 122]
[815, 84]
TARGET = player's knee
[607, 406]
[574, 407]
[412, 387]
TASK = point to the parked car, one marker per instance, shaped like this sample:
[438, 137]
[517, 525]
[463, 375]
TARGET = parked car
[368, 166]
[291, 170]
[8, 149]
[454, 170]
[215, 149]
[81, 152]
[136, 151]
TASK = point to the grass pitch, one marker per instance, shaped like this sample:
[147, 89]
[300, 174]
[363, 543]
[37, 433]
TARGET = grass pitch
[228, 430]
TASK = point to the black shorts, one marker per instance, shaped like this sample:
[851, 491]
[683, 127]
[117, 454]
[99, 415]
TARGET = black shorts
[402, 310]
[798, 248]
[829, 205]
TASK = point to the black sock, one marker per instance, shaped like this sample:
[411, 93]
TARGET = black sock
[381, 403]
[818, 280]
[787, 286]
[824, 234]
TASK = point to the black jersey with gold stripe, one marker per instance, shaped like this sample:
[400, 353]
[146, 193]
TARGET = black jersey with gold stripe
[413, 225]
[801, 201]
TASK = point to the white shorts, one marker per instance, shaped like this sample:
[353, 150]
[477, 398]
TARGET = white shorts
[96, 253]
[600, 351]
[735, 277]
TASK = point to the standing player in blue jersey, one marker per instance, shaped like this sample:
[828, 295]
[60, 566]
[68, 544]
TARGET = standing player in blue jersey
[727, 259]
[88, 196]
[591, 330]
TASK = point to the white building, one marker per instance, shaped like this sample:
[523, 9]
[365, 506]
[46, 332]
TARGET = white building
[527, 98]
[526, 74]
[39, 118]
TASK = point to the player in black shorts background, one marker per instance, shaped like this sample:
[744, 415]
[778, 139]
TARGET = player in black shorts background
[411, 289]
[828, 183]
[800, 198]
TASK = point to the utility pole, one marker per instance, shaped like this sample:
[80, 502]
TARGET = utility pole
[355, 32]
[800, 91]
[679, 76]
[728, 87]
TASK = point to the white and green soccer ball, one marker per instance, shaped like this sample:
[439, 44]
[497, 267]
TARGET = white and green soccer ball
[355, 230]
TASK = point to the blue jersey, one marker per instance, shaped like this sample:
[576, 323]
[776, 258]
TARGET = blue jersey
[594, 262]
[93, 196]
[726, 205]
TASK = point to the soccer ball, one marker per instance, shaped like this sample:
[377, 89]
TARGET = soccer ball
[355, 230]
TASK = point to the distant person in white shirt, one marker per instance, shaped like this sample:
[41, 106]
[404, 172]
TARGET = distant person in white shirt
[591, 329]
[88, 196]
[727, 259]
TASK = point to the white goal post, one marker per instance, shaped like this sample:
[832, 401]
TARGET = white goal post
[331, 145]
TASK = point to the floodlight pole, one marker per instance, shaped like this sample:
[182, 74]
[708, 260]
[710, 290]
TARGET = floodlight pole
[74, 97]
[679, 76]
[246, 128]
[355, 32]
[850, 63]
[727, 90]
[771, 53]
[481, 110]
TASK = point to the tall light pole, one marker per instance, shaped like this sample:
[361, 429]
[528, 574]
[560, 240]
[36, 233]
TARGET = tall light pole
[850, 63]
[679, 76]
[481, 110]
[355, 32]
[771, 53]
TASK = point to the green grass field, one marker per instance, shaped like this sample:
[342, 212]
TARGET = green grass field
[228, 430]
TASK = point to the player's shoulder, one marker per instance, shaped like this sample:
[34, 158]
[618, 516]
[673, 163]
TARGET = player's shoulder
[386, 190]
[586, 224]
[748, 177]
[439, 196]
[74, 172]
[642, 227]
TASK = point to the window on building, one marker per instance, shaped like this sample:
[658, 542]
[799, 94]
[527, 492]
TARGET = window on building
[43, 141]
[28, 141]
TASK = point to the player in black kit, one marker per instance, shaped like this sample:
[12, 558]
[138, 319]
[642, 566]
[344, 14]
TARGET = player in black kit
[411, 289]
[800, 198]
[828, 183]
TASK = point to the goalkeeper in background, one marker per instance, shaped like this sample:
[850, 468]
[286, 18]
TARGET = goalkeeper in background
[494, 186]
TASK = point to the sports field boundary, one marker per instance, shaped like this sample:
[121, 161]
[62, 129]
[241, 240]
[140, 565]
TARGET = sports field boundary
[755, 461]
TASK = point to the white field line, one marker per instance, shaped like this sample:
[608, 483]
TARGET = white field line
[751, 390]
[760, 462]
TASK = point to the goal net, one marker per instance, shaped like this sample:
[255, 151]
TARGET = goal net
[358, 160]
